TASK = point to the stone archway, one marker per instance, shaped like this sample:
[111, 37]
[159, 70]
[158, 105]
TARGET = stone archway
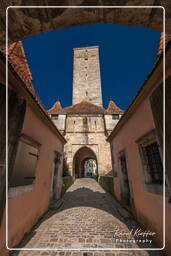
[26, 22]
[82, 158]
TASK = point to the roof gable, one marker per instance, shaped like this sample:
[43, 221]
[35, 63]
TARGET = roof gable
[85, 107]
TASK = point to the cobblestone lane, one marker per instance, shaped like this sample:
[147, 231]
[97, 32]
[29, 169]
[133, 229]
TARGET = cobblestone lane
[86, 217]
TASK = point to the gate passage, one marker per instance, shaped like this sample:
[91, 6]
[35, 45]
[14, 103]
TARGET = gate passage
[90, 168]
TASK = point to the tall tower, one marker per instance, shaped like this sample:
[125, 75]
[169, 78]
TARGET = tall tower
[86, 75]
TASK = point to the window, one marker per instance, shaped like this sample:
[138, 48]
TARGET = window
[115, 116]
[85, 120]
[154, 163]
[54, 116]
[151, 162]
[86, 55]
[25, 162]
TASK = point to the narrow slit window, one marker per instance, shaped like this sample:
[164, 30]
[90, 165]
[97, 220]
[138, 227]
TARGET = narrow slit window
[115, 116]
[54, 116]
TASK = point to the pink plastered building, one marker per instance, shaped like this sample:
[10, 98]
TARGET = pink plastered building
[35, 155]
[137, 155]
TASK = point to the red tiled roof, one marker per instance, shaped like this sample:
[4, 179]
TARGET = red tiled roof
[55, 108]
[18, 60]
[85, 107]
[19, 66]
[161, 45]
[113, 109]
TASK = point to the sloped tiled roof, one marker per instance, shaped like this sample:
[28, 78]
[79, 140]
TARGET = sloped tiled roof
[113, 108]
[19, 67]
[161, 43]
[55, 108]
[18, 60]
[85, 107]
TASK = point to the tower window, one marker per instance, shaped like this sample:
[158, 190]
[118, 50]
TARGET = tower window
[86, 55]
[86, 93]
[54, 116]
[85, 121]
[115, 116]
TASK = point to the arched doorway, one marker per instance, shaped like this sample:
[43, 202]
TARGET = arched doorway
[85, 163]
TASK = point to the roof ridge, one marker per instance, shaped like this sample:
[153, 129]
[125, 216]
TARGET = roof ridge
[86, 107]
[80, 108]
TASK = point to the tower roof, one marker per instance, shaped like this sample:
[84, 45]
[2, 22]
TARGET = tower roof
[113, 108]
[56, 108]
[84, 107]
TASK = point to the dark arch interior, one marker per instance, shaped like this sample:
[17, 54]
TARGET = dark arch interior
[80, 158]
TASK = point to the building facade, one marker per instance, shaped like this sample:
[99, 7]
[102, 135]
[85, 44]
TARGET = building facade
[86, 124]
[35, 152]
[137, 154]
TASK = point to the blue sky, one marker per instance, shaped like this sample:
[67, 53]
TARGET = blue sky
[127, 55]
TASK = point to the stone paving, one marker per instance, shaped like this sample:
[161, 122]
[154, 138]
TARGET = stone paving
[85, 218]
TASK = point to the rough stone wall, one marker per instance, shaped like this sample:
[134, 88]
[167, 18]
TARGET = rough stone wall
[86, 77]
[87, 130]
[28, 22]
[90, 134]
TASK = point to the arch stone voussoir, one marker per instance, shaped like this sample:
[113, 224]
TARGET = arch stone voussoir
[26, 22]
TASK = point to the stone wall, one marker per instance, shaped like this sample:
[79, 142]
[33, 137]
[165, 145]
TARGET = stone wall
[93, 137]
[86, 78]
[28, 22]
